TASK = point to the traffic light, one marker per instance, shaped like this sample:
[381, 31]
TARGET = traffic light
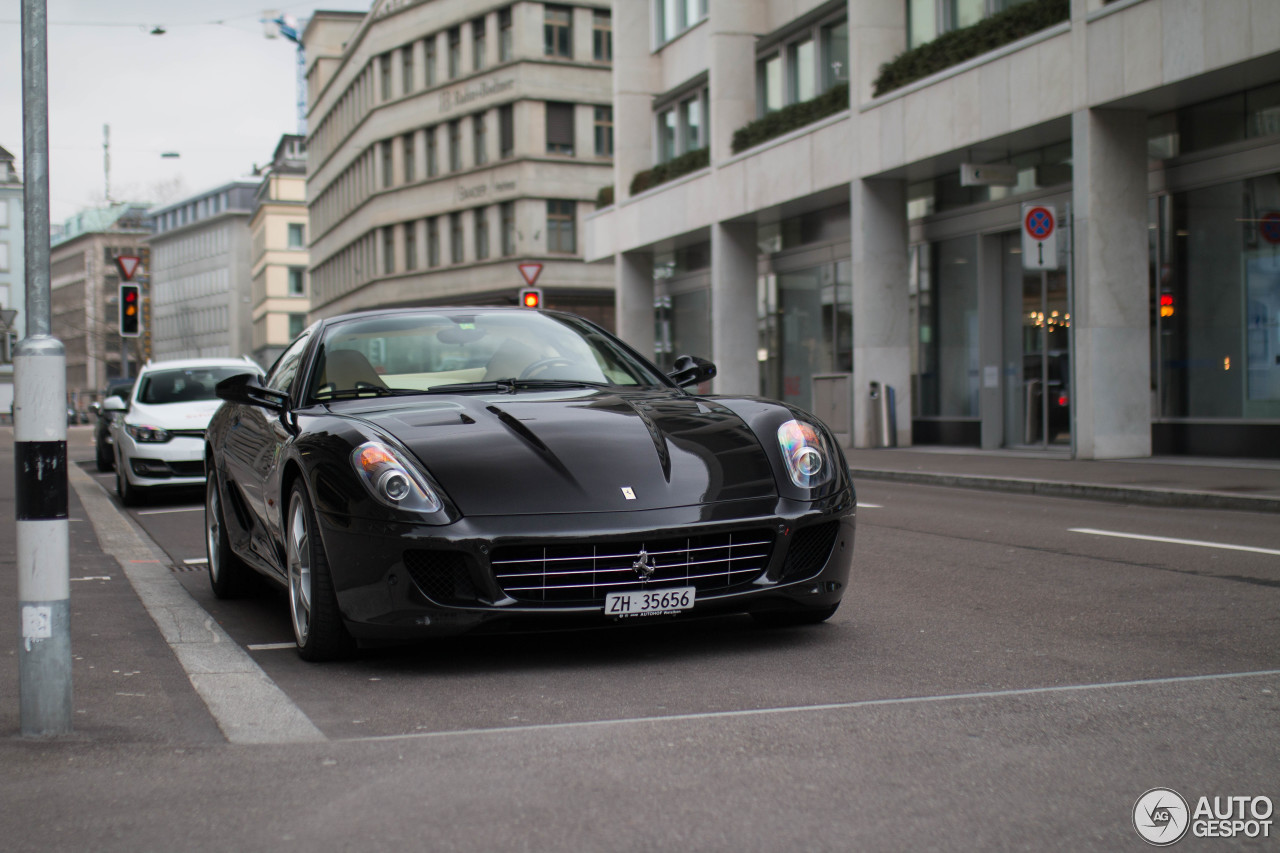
[1166, 305]
[130, 310]
[531, 297]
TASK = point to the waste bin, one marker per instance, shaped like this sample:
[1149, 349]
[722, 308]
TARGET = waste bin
[884, 415]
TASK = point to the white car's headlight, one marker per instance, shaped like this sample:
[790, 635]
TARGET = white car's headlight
[808, 459]
[391, 480]
[148, 434]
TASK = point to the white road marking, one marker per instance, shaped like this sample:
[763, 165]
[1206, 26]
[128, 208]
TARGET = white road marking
[1172, 541]
[270, 647]
[870, 506]
[93, 578]
[196, 561]
[176, 509]
[834, 706]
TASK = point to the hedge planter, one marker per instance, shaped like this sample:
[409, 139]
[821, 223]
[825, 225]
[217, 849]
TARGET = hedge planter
[957, 46]
[670, 170]
[791, 118]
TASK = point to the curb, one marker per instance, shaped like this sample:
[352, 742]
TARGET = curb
[1083, 491]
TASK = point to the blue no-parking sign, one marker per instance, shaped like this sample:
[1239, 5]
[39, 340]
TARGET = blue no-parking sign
[1039, 237]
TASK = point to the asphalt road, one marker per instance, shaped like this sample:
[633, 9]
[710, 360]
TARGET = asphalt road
[997, 679]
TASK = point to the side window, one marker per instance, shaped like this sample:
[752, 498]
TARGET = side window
[286, 366]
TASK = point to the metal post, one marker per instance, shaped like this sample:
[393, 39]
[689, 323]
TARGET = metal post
[1044, 359]
[40, 428]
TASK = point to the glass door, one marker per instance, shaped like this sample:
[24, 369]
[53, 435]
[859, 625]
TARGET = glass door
[1037, 369]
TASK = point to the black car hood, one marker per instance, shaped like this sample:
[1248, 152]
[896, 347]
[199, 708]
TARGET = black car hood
[579, 450]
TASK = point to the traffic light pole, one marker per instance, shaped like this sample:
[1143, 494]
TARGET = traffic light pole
[40, 428]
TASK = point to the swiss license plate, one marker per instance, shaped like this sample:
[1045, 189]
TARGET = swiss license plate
[649, 602]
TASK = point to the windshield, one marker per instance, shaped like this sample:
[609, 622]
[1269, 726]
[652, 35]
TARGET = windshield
[424, 352]
[184, 385]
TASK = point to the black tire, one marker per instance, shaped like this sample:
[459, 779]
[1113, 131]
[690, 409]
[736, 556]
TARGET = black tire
[229, 576]
[313, 604]
[791, 618]
[105, 460]
[130, 495]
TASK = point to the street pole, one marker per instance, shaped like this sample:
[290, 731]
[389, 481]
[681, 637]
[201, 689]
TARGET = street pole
[40, 428]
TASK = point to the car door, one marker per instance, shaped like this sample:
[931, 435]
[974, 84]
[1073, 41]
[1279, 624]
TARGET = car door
[255, 437]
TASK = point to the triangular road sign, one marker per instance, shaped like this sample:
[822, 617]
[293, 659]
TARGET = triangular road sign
[128, 265]
[530, 273]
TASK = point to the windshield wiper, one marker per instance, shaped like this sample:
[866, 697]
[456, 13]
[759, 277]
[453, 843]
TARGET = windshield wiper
[510, 386]
[369, 391]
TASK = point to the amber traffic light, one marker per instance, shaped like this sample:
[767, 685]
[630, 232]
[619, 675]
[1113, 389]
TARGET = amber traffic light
[531, 297]
[130, 310]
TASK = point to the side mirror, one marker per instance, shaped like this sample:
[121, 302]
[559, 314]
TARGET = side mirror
[690, 370]
[247, 388]
[95, 407]
[114, 404]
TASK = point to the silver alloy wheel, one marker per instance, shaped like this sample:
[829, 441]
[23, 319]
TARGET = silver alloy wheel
[213, 527]
[298, 547]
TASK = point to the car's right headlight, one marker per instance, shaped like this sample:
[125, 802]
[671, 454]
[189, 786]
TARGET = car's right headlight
[808, 458]
[148, 434]
[393, 481]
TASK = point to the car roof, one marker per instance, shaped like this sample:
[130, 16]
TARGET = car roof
[182, 363]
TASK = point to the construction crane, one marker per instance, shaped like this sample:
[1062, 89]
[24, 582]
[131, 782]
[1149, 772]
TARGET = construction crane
[278, 25]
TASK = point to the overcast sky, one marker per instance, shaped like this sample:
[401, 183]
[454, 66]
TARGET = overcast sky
[211, 89]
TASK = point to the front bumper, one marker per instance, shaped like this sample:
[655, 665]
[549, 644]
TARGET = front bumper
[399, 581]
[176, 462]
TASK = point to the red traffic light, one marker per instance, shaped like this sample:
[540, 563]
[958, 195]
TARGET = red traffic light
[1166, 305]
[130, 310]
[531, 297]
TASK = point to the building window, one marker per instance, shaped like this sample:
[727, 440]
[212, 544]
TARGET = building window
[561, 226]
[455, 145]
[504, 35]
[928, 19]
[604, 131]
[406, 66]
[480, 139]
[433, 241]
[410, 246]
[297, 281]
[601, 36]
[802, 65]
[430, 60]
[506, 131]
[559, 128]
[4, 257]
[478, 47]
[297, 324]
[455, 52]
[508, 211]
[433, 168]
[386, 163]
[482, 233]
[676, 16]
[682, 124]
[557, 32]
[297, 235]
[455, 238]
[388, 250]
[409, 157]
[384, 67]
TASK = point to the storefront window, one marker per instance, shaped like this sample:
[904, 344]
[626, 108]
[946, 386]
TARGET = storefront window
[949, 370]
[1216, 301]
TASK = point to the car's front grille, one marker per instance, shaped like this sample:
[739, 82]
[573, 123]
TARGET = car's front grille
[187, 433]
[443, 576]
[188, 469]
[809, 551]
[584, 573]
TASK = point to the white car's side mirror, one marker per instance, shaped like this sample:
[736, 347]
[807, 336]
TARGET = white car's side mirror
[114, 404]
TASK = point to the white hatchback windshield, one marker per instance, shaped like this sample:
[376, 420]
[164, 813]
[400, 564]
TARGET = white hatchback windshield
[183, 385]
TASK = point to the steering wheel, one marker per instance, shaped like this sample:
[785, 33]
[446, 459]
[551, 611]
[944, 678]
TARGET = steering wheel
[544, 364]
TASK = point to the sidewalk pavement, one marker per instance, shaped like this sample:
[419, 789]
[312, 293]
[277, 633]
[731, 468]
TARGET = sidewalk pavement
[1174, 481]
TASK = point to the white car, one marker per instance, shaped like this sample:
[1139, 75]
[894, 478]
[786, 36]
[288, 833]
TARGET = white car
[160, 439]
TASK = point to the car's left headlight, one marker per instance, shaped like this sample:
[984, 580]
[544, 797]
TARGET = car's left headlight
[392, 480]
[148, 434]
[808, 458]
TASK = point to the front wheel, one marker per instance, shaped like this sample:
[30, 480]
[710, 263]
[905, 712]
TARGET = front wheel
[313, 603]
[228, 574]
[130, 495]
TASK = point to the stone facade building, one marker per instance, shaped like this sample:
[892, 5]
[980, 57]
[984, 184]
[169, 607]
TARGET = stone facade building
[833, 194]
[451, 142]
[278, 230]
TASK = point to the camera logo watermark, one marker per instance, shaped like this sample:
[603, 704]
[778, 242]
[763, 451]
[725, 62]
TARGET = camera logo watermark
[1161, 816]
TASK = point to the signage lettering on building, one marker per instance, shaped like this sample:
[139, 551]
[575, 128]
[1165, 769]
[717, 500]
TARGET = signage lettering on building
[479, 191]
[451, 98]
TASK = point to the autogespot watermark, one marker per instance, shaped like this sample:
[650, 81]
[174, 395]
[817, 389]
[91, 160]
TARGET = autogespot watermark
[1162, 817]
